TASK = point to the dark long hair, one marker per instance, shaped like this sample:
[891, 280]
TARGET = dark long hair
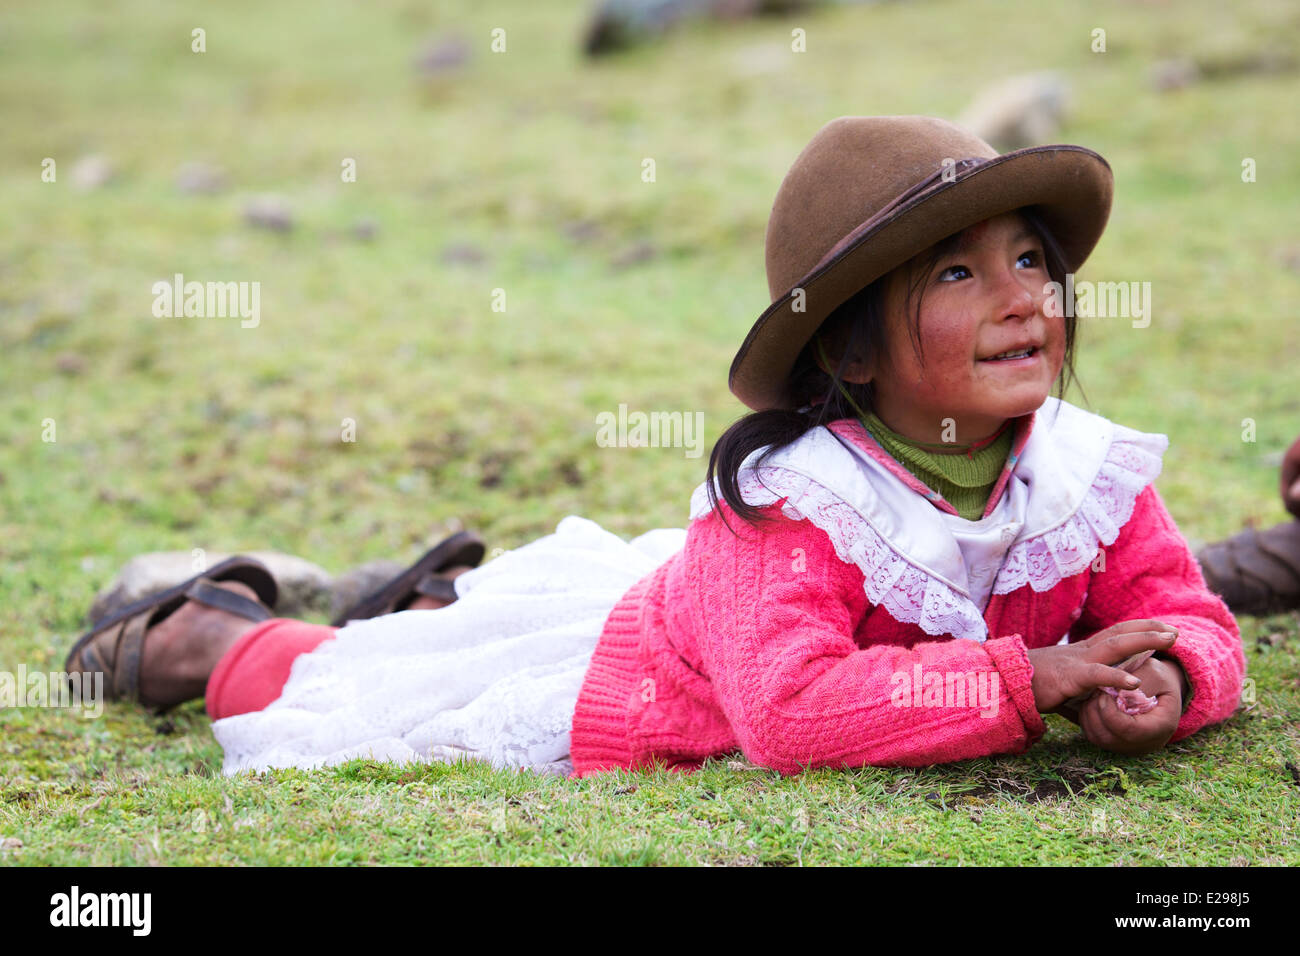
[857, 328]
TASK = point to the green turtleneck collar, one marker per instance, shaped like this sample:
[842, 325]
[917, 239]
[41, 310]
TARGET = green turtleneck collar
[965, 481]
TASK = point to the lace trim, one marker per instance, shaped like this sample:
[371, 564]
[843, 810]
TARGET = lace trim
[914, 596]
[890, 581]
[1048, 558]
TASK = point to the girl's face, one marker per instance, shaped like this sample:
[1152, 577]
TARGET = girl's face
[980, 301]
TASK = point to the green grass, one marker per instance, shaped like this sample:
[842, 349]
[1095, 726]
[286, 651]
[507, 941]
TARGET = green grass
[177, 434]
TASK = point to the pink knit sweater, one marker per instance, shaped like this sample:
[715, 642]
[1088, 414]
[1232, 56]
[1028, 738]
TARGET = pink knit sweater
[766, 643]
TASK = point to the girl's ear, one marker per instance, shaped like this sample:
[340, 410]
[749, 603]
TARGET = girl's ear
[856, 372]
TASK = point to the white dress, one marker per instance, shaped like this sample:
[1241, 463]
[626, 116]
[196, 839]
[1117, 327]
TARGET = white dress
[494, 676]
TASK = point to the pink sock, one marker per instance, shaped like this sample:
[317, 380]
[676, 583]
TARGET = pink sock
[254, 671]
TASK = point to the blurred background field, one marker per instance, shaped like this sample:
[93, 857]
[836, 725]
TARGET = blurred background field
[521, 171]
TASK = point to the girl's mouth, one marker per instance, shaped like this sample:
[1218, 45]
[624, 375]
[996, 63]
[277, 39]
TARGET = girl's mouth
[1023, 356]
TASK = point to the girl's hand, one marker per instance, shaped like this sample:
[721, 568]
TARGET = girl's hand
[1066, 671]
[1108, 727]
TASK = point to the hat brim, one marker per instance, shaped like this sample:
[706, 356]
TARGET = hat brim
[1070, 186]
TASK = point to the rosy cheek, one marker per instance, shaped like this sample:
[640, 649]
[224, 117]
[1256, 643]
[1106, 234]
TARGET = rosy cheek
[1058, 349]
[944, 367]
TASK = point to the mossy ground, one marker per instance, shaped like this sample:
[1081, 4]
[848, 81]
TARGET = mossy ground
[196, 433]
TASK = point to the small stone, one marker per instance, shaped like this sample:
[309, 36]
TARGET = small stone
[92, 172]
[200, 177]
[70, 363]
[640, 251]
[463, 253]
[1170, 75]
[268, 212]
[583, 230]
[1018, 111]
[351, 586]
[763, 59]
[304, 587]
[441, 56]
[621, 24]
[1289, 256]
[11, 843]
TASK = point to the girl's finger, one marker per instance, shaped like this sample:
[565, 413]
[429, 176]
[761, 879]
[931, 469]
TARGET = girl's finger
[1120, 732]
[1126, 627]
[1098, 734]
[1118, 647]
[1131, 664]
[1109, 727]
[1116, 721]
[1151, 729]
[1100, 675]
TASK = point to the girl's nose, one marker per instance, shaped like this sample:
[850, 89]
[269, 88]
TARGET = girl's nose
[1018, 294]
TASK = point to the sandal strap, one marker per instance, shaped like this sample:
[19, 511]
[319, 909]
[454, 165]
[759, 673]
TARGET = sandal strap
[125, 673]
[115, 646]
[462, 548]
[206, 592]
[436, 587]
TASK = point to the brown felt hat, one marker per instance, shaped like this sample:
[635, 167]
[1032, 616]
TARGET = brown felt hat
[869, 193]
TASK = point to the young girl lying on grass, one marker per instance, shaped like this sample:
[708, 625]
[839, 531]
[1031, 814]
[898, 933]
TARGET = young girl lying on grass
[906, 555]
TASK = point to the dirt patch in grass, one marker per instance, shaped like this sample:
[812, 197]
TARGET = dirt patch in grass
[1068, 780]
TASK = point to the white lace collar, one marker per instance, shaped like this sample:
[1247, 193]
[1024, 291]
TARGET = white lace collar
[1070, 492]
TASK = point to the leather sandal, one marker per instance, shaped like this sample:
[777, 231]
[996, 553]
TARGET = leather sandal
[115, 644]
[1256, 572]
[421, 578]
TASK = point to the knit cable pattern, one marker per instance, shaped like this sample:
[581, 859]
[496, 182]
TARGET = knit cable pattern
[890, 581]
[913, 595]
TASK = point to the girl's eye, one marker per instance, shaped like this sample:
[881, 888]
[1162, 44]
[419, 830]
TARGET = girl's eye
[1033, 255]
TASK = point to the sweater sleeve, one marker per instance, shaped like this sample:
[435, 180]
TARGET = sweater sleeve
[779, 612]
[1150, 572]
